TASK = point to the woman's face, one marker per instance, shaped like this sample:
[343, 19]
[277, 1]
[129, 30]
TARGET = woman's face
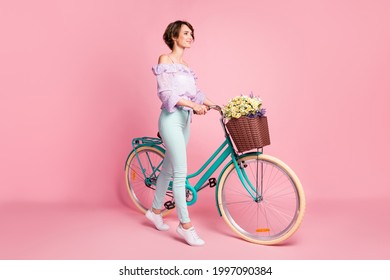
[185, 39]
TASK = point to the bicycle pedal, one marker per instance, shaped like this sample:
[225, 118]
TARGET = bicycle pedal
[212, 182]
[169, 205]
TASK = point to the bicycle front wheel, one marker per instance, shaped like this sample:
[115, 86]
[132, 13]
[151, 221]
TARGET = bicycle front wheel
[271, 212]
[142, 170]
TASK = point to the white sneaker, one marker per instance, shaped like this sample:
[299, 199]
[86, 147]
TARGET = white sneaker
[157, 220]
[190, 236]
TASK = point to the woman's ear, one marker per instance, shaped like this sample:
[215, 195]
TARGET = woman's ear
[174, 41]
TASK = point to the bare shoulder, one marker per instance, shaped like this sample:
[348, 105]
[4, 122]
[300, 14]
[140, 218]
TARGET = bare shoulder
[164, 59]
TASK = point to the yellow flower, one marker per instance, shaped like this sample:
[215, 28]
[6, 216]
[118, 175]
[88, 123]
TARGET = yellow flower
[242, 106]
[236, 115]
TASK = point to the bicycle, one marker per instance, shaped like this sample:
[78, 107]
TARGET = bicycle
[259, 197]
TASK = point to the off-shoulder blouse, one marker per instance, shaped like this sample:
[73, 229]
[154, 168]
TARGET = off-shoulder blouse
[174, 82]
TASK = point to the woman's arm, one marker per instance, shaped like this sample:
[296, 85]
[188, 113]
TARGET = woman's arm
[199, 109]
[208, 102]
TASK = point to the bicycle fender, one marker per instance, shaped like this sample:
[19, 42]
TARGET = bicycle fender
[144, 145]
[223, 171]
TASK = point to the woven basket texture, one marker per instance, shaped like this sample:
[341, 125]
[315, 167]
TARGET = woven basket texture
[249, 133]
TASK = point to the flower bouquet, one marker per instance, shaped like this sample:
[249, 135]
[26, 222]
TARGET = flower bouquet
[246, 122]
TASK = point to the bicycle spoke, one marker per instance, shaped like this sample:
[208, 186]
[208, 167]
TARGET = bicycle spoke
[236, 202]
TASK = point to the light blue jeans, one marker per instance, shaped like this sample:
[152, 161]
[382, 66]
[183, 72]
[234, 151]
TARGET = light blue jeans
[174, 129]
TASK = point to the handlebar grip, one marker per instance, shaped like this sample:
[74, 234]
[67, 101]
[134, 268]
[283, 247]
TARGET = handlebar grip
[216, 107]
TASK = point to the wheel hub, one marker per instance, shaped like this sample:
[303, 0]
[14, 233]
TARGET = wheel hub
[259, 199]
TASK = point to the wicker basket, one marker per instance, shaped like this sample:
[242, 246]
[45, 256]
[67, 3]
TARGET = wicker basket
[249, 133]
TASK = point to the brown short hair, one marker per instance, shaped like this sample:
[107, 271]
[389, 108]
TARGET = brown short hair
[173, 30]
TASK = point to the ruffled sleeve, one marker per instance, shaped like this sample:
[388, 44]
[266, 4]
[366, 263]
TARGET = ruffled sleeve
[200, 96]
[165, 88]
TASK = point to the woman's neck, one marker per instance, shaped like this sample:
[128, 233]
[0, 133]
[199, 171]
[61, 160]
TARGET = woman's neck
[177, 54]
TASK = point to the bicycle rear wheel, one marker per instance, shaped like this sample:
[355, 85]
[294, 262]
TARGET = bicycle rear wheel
[141, 177]
[277, 210]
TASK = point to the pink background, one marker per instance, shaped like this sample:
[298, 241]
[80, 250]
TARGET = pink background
[76, 86]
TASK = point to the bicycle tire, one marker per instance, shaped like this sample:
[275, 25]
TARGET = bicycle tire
[141, 187]
[273, 218]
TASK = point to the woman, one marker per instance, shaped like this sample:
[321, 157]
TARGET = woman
[180, 97]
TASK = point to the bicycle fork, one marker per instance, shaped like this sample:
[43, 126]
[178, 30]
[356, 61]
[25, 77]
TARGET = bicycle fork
[256, 192]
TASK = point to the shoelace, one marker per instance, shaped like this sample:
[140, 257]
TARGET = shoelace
[160, 220]
[195, 234]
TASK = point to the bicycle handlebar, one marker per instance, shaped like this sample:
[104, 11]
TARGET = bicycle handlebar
[217, 108]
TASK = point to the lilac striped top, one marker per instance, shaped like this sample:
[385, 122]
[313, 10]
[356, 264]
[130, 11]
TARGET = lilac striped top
[174, 82]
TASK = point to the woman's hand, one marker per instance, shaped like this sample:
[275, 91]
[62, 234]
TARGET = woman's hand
[200, 109]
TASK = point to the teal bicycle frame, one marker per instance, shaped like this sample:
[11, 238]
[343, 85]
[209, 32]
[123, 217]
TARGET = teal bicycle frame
[219, 156]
